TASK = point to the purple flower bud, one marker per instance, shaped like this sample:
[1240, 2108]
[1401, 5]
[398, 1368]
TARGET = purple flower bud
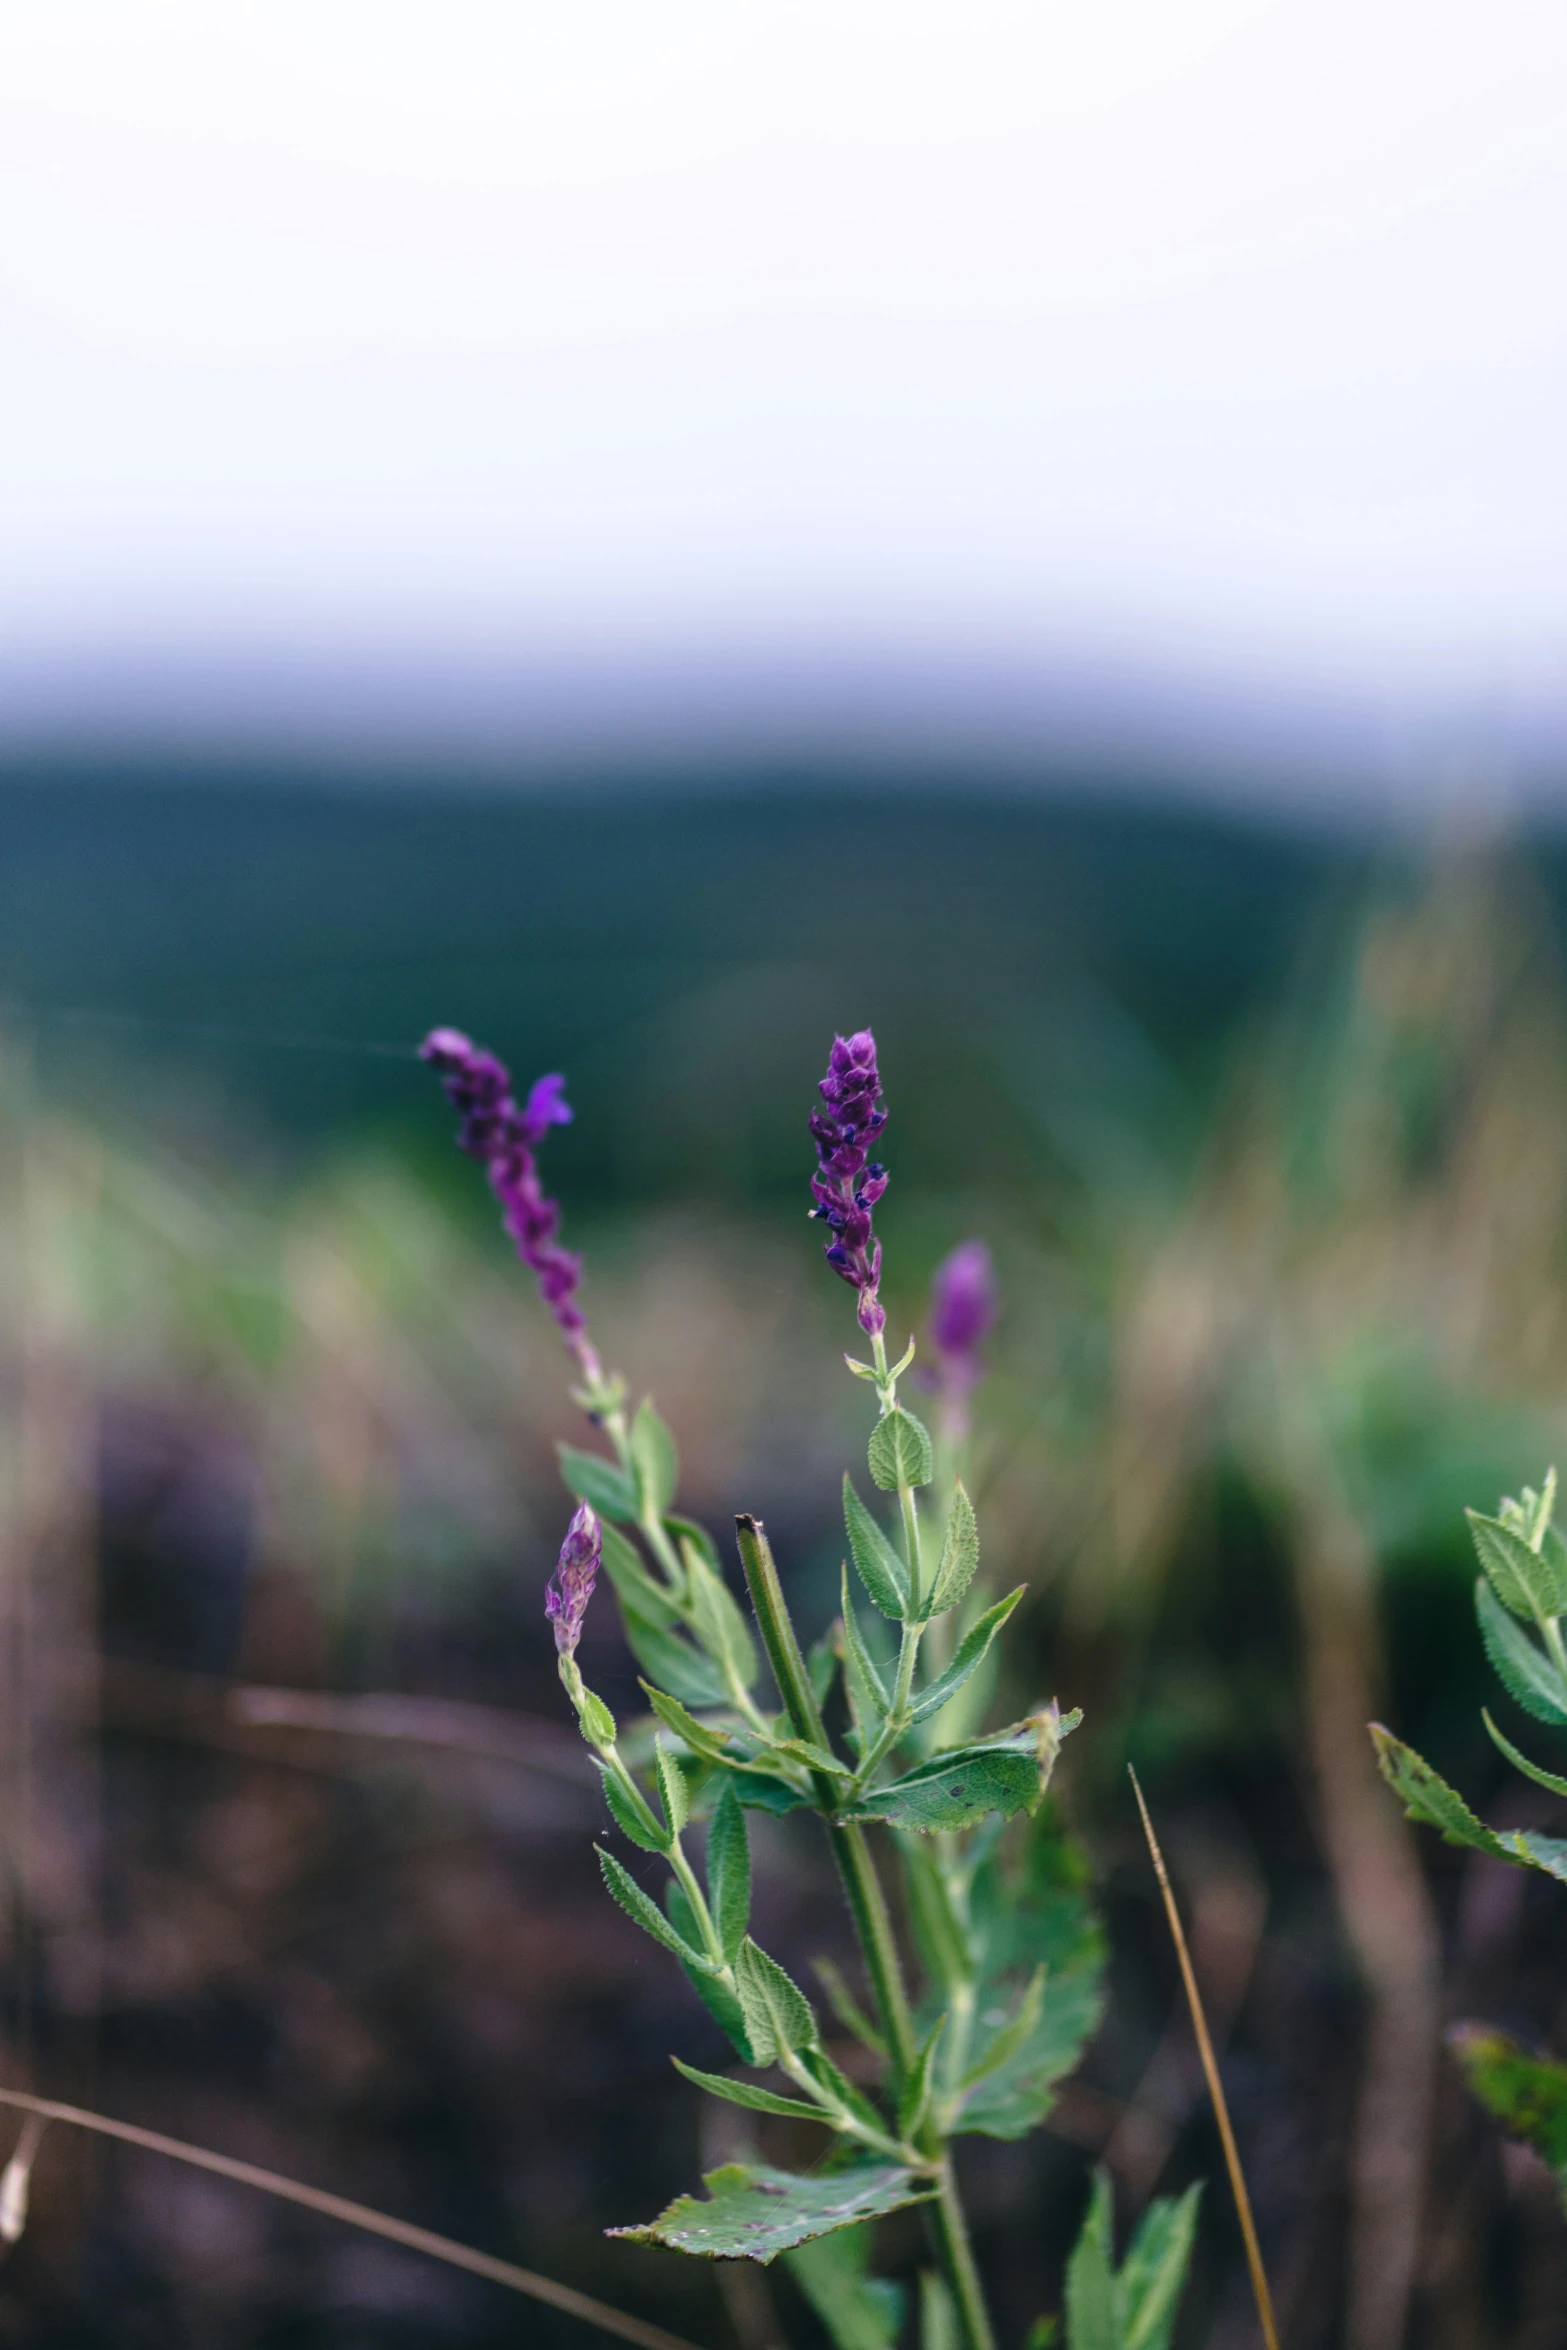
[962, 1307]
[846, 1186]
[569, 1589]
[503, 1138]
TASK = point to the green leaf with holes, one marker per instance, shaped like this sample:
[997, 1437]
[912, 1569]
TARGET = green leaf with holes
[754, 2213]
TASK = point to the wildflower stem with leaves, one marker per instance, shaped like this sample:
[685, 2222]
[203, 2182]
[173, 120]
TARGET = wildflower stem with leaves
[1009, 1954]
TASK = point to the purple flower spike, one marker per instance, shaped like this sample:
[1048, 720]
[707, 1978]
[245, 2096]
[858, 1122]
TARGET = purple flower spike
[503, 1138]
[569, 1589]
[962, 1309]
[847, 1185]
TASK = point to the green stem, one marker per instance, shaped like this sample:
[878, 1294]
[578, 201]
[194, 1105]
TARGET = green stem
[1551, 1627]
[872, 1924]
[699, 1909]
[878, 1946]
[950, 2239]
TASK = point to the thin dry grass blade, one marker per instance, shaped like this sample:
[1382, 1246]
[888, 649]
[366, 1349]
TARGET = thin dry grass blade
[359, 2215]
[1232, 2160]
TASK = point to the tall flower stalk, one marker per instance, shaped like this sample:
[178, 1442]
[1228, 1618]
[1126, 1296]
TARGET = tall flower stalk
[976, 2035]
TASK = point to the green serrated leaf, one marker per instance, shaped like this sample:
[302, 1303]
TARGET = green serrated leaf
[753, 2213]
[729, 1872]
[1091, 2313]
[959, 1555]
[639, 1824]
[748, 2094]
[1527, 2093]
[837, 2087]
[695, 1734]
[1014, 2098]
[1028, 1907]
[778, 2017]
[876, 1562]
[1524, 1669]
[914, 2102]
[1521, 1762]
[867, 1691]
[970, 1651]
[646, 1913]
[900, 1452]
[859, 2311]
[1013, 2037]
[654, 1459]
[955, 1788]
[1523, 1581]
[1426, 1795]
[673, 1789]
[1153, 2274]
[603, 1484]
[1547, 1853]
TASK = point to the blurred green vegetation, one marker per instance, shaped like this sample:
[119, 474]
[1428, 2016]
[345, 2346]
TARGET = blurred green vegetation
[1268, 1133]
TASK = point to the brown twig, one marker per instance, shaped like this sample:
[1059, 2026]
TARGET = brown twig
[359, 2215]
[1232, 2160]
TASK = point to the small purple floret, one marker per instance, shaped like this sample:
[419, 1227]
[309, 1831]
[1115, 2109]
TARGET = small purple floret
[848, 1184]
[503, 1138]
[569, 1589]
[962, 1309]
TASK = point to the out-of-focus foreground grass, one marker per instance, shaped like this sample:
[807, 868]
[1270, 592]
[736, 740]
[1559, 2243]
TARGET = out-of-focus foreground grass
[277, 1439]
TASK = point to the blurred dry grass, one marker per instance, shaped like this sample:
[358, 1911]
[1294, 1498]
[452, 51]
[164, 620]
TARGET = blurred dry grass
[295, 1435]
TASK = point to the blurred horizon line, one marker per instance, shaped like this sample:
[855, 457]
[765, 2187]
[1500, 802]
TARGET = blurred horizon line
[901, 713]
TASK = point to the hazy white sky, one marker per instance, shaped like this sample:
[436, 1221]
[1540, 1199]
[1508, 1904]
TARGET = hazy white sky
[1233, 330]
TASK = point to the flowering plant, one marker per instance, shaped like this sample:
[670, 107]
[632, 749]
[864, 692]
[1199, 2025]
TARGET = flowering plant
[1521, 1602]
[1009, 1953]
